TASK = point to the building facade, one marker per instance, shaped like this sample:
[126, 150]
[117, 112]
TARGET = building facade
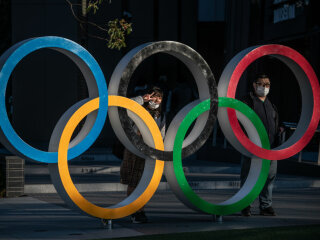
[45, 84]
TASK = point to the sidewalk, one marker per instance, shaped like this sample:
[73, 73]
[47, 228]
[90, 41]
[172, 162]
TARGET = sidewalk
[45, 216]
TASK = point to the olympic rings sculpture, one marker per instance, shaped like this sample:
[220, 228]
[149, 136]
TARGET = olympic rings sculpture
[161, 155]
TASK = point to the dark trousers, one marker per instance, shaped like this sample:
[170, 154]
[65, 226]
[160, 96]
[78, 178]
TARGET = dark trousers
[265, 197]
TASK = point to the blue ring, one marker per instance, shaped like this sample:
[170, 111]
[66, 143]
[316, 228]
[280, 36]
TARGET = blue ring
[11, 58]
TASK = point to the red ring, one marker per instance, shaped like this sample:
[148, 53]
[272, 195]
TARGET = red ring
[306, 67]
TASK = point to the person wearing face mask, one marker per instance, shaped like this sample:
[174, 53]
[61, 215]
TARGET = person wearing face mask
[132, 166]
[267, 112]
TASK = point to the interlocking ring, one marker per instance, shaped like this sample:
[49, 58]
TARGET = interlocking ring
[159, 153]
[206, 87]
[152, 173]
[309, 86]
[258, 172]
[96, 86]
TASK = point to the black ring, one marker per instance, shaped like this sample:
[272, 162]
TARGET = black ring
[199, 69]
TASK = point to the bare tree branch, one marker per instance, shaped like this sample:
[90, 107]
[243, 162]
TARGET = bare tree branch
[91, 35]
[84, 22]
[115, 32]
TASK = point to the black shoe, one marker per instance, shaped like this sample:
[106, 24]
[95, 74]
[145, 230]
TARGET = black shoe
[246, 212]
[139, 217]
[267, 212]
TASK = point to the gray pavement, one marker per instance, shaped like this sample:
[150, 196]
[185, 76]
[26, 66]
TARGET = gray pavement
[45, 216]
[41, 214]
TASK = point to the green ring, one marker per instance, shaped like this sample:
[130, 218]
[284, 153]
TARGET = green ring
[202, 205]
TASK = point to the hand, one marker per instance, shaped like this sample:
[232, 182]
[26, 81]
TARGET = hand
[148, 97]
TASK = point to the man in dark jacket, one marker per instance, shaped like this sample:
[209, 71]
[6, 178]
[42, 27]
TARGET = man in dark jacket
[268, 114]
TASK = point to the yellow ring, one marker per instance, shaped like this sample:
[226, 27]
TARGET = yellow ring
[76, 197]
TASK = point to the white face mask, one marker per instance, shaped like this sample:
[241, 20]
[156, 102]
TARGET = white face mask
[153, 105]
[262, 91]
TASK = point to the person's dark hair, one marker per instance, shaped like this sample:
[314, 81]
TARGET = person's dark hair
[261, 75]
[156, 90]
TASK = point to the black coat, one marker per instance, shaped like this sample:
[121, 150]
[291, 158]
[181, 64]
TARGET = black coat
[268, 114]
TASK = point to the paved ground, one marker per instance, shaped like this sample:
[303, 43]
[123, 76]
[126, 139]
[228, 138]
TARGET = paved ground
[45, 216]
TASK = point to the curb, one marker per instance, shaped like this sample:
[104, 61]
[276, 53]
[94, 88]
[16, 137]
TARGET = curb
[43, 170]
[98, 169]
[164, 186]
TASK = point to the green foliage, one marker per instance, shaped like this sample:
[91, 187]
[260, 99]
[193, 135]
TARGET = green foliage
[118, 30]
[93, 5]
